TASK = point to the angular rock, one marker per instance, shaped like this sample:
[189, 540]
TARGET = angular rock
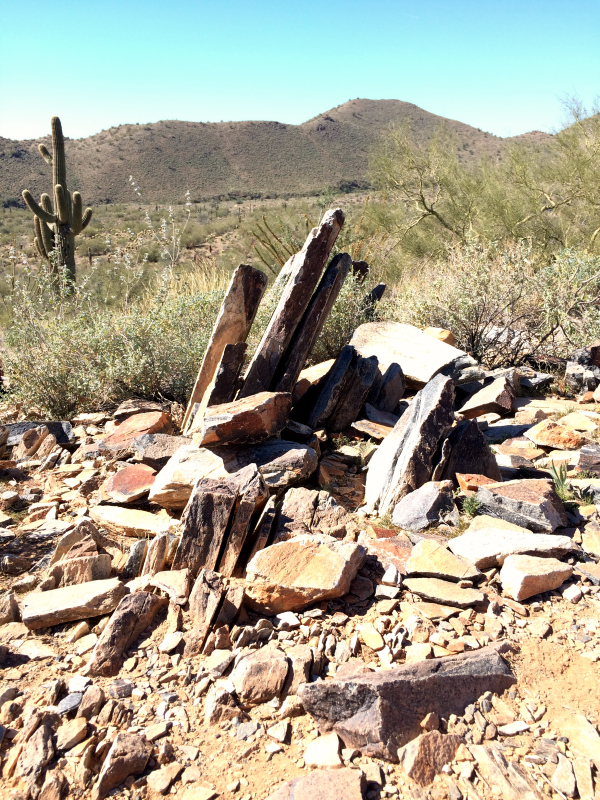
[403, 461]
[128, 408]
[429, 559]
[173, 484]
[128, 755]
[301, 275]
[260, 676]
[128, 485]
[220, 705]
[156, 556]
[155, 449]
[301, 658]
[387, 391]
[379, 712]
[297, 513]
[385, 552]
[291, 575]
[424, 757]
[176, 583]
[331, 391]
[71, 571]
[62, 431]
[347, 409]
[309, 378]
[137, 425]
[524, 576]
[36, 755]
[373, 430]
[430, 504]
[497, 397]
[470, 483]
[9, 608]
[71, 733]
[226, 382]
[205, 597]
[91, 703]
[71, 603]
[324, 751]
[132, 616]
[420, 356]
[548, 433]
[30, 443]
[445, 592]
[323, 784]
[135, 560]
[533, 504]
[131, 521]
[465, 450]
[250, 419]
[232, 604]
[260, 536]
[489, 547]
[281, 464]
[252, 497]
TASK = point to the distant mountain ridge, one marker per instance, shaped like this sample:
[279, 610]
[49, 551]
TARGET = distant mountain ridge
[227, 159]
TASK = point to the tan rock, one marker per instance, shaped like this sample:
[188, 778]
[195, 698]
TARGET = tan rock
[582, 422]
[489, 547]
[483, 521]
[442, 334]
[321, 784]
[444, 592]
[525, 576]
[127, 756]
[552, 434]
[176, 583]
[71, 733]
[134, 426]
[131, 521]
[251, 419]
[71, 603]
[173, 484]
[260, 676]
[418, 651]
[496, 398]
[429, 559]
[370, 636]
[590, 540]
[470, 482]
[324, 752]
[310, 377]
[160, 780]
[424, 757]
[93, 567]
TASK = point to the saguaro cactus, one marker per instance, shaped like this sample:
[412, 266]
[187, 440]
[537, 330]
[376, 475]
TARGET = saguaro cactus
[56, 226]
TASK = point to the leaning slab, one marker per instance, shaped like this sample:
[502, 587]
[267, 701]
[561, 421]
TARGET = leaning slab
[378, 712]
[251, 419]
[429, 559]
[80, 601]
[489, 547]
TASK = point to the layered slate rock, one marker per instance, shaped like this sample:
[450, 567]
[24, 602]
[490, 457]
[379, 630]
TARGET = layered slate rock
[71, 603]
[310, 377]
[232, 325]
[131, 617]
[496, 398]
[131, 521]
[291, 575]
[128, 484]
[323, 784]
[330, 391]
[252, 497]
[204, 602]
[224, 386]
[428, 505]
[251, 419]
[532, 504]
[445, 592]
[301, 275]
[362, 375]
[429, 559]
[387, 390]
[132, 427]
[155, 449]
[281, 463]
[173, 485]
[379, 712]
[489, 547]
[403, 461]
[524, 576]
[466, 451]
[420, 356]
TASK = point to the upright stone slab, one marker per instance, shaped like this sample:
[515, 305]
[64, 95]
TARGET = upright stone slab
[465, 451]
[310, 327]
[388, 389]
[303, 271]
[225, 383]
[403, 461]
[353, 399]
[205, 598]
[205, 521]
[233, 324]
[253, 494]
[333, 388]
[259, 538]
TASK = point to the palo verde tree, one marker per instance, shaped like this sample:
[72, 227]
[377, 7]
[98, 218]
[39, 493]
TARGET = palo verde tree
[56, 226]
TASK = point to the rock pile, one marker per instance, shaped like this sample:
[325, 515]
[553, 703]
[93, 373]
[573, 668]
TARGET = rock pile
[279, 593]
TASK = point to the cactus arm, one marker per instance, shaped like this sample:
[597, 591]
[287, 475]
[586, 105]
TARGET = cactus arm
[38, 238]
[59, 168]
[77, 213]
[46, 204]
[45, 154]
[38, 210]
[47, 237]
[62, 204]
[40, 247]
[85, 220]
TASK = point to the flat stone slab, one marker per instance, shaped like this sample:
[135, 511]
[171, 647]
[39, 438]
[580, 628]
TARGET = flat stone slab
[70, 603]
[323, 784]
[251, 419]
[131, 521]
[549, 433]
[489, 547]
[533, 504]
[525, 576]
[445, 592]
[173, 485]
[132, 427]
[128, 484]
[155, 449]
[429, 559]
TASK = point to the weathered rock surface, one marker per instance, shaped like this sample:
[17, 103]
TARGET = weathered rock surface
[281, 463]
[250, 419]
[155, 449]
[128, 755]
[252, 497]
[379, 712]
[347, 409]
[71, 603]
[445, 592]
[226, 381]
[524, 576]
[533, 504]
[129, 484]
[429, 559]
[548, 433]
[323, 784]
[497, 397]
[132, 616]
[131, 521]
[489, 547]
[430, 504]
[173, 484]
[260, 676]
[330, 392]
[385, 552]
[291, 575]
[466, 451]
[403, 461]
[132, 427]
[424, 757]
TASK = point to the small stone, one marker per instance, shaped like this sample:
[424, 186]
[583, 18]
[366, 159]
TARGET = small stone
[161, 779]
[524, 576]
[513, 728]
[171, 642]
[71, 733]
[69, 703]
[324, 752]
[572, 594]
[280, 731]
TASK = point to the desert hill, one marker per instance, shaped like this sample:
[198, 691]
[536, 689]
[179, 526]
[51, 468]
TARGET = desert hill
[232, 158]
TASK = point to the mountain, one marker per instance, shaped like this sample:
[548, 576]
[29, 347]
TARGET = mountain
[217, 159]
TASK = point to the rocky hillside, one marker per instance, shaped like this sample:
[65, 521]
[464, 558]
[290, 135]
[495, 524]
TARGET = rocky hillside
[251, 158]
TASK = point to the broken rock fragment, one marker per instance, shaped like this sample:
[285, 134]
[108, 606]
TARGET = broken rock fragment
[489, 547]
[128, 755]
[71, 603]
[424, 757]
[430, 504]
[548, 433]
[497, 397]
[131, 521]
[525, 576]
[260, 676]
[122, 437]
[251, 419]
[128, 484]
[429, 559]
[532, 504]
[445, 592]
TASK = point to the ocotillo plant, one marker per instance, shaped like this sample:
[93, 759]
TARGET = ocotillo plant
[56, 227]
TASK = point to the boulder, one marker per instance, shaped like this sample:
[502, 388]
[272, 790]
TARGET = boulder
[495, 398]
[131, 521]
[281, 463]
[428, 559]
[420, 356]
[132, 616]
[128, 484]
[71, 603]
[292, 575]
[523, 576]
[403, 461]
[260, 676]
[430, 504]
[128, 755]
[378, 712]
[132, 427]
[424, 757]
[548, 433]
[532, 504]
[488, 547]
[323, 784]
[445, 592]
[250, 419]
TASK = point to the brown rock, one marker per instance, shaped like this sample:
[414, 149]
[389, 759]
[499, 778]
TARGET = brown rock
[127, 756]
[174, 483]
[132, 616]
[374, 430]
[260, 676]
[250, 419]
[471, 482]
[36, 755]
[70, 571]
[91, 703]
[387, 551]
[252, 497]
[532, 504]
[310, 377]
[552, 434]
[301, 658]
[9, 608]
[156, 555]
[71, 603]
[424, 757]
[71, 733]
[176, 583]
[281, 463]
[323, 784]
[465, 450]
[497, 398]
[137, 425]
[442, 334]
[129, 484]
[30, 442]
[161, 779]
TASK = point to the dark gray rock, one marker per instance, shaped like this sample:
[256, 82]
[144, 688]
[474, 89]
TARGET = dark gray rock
[428, 505]
[379, 712]
[227, 376]
[155, 449]
[387, 390]
[135, 560]
[466, 451]
[348, 408]
[333, 389]
[63, 431]
[69, 703]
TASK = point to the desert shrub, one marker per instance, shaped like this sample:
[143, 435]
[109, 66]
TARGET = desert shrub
[502, 304]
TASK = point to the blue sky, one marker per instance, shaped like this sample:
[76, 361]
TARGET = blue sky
[502, 67]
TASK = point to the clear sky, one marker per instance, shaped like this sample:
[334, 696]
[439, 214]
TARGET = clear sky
[500, 66]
